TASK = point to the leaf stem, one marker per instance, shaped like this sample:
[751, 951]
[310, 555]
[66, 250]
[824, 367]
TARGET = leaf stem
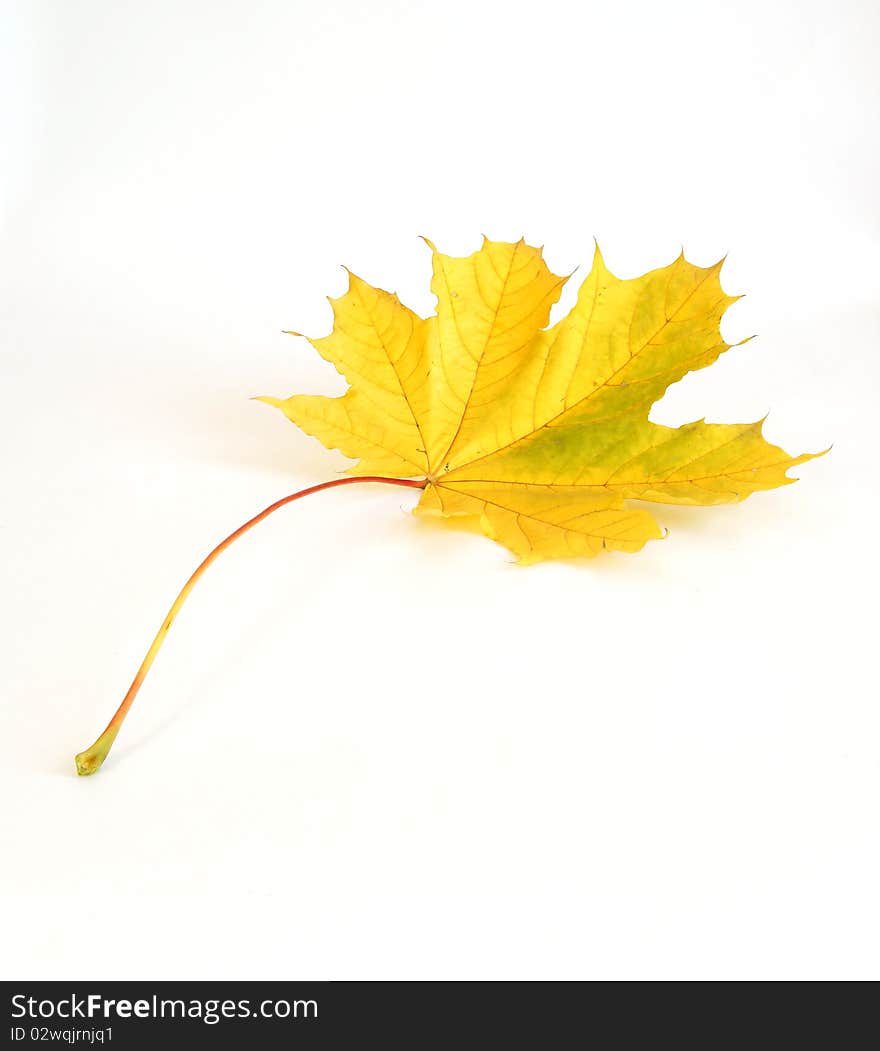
[89, 761]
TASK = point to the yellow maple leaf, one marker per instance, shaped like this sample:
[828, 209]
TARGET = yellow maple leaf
[541, 434]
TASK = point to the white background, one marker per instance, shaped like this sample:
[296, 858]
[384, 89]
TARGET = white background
[372, 747]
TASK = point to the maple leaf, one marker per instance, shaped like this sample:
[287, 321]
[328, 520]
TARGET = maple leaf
[540, 434]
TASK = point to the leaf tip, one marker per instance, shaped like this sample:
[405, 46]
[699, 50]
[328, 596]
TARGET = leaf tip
[818, 455]
[599, 263]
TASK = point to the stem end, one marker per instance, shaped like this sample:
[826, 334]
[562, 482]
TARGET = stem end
[89, 761]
